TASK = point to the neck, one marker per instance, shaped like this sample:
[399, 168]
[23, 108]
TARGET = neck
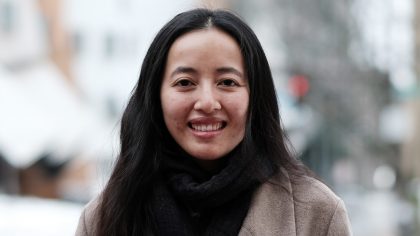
[211, 166]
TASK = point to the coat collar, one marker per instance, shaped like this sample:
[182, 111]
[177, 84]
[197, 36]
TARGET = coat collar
[272, 209]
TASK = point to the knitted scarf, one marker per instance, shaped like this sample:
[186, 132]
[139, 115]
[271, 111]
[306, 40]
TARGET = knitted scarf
[191, 201]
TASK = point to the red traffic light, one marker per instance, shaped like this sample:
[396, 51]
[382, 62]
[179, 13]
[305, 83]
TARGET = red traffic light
[299, 85]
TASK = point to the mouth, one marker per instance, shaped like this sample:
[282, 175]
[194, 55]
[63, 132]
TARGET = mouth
[207, 127]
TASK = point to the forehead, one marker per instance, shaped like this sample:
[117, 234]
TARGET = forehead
[205, 48]
[212, 37]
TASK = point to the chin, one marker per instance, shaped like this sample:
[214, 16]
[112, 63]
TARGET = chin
[208, 153]
[208, 156]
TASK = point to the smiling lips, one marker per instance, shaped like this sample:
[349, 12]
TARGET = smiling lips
[205, 125]
[208, 127]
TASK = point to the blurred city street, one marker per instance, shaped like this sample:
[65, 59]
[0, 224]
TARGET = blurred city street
[347, 76]
[379, 213]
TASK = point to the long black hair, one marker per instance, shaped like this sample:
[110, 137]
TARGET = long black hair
[124, 207]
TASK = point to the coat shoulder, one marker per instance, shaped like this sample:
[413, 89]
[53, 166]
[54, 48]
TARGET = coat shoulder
[318, 208]
[302, 206]
[88, 218]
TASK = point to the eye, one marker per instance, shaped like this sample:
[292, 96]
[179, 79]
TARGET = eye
[183, 83]
[228, 83]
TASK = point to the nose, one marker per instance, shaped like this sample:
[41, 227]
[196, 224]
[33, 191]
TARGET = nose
[207, 100]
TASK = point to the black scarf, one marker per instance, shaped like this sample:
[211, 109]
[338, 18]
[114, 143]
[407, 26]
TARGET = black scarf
[190, 201]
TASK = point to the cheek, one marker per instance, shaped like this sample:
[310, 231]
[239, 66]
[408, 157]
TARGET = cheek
[174, 112]
[239, 107]
[242, 115]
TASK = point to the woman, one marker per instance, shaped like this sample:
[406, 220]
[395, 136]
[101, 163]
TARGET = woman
[202, 149]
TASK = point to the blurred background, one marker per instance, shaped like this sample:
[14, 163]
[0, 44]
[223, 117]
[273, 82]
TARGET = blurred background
[347, 75]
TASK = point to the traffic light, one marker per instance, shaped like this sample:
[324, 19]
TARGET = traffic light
[299, 86]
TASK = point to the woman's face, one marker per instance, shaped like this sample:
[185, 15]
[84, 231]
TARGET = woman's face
[205, 94]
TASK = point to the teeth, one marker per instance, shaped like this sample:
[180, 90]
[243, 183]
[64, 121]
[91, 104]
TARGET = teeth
[207, 128]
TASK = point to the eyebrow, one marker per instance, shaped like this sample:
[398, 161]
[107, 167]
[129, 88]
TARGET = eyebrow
[183, 69]
[225, 70]
[221, 70]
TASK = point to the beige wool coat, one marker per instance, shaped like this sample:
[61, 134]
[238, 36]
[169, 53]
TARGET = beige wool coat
[305, 207]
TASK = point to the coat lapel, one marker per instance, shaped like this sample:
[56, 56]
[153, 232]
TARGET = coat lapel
[272, 210]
